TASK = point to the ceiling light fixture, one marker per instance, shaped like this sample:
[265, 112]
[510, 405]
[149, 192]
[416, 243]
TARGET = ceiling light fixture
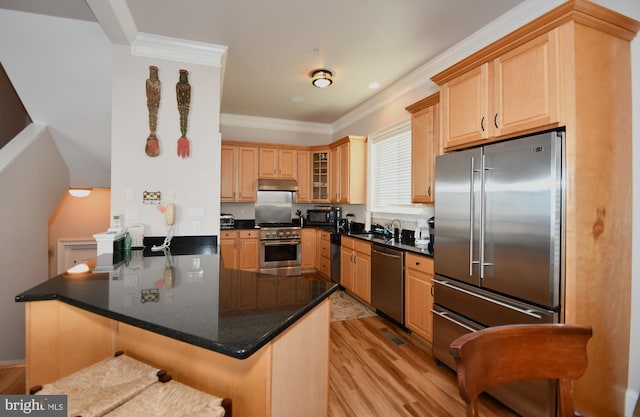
[321, 78]
[80, 192]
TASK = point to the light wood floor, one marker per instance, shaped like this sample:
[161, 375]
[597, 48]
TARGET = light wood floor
[12, 379]
[369, 376]
[372, 376]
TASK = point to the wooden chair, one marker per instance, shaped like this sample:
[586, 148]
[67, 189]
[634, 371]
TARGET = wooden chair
[502, 354]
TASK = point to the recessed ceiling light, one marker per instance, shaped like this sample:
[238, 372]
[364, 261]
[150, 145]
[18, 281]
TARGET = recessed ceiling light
[374, 85]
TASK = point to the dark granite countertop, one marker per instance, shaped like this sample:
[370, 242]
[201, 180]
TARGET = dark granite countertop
[380, 240]
[204, 304]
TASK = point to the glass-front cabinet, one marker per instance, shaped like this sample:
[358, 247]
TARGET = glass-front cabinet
[320, 176]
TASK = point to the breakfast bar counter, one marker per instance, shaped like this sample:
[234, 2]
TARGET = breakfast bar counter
[261, 340]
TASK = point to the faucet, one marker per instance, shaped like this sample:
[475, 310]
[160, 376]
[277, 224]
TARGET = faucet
[389, 227]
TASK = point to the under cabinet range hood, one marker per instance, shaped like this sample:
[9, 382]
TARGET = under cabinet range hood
[270, 184]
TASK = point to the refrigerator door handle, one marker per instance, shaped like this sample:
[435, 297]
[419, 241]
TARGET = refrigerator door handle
[528, 312]
[482, 210]
[457, 323]
[483, 213]
[472, 204]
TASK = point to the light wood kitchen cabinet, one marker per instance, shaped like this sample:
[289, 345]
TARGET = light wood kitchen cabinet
[320, 176]
[465, 108]
[240, 249]
[355, 267]
[238, 173]
[323, 252]
[308, 241]
[277, 163]
[425, 146]
[419, 295]
[514, 92]
[593, 96]
[303, 176]
[348, 169]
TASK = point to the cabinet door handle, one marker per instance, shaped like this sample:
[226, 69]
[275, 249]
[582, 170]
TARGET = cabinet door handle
[431, 290]
[482, 123]
[429, 191]
[495, 121]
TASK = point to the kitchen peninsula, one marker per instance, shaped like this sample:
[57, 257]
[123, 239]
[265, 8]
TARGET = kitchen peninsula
[218, 330]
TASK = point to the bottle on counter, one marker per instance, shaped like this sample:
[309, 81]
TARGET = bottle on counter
[127, 242]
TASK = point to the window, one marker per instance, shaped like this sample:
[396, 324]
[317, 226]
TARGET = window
[390, 171]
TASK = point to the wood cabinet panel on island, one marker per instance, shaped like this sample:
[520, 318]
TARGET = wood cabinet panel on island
[355, 267]
[425, 146]
[419, 295]
[560, 70]
[277, 163]
[238, 173]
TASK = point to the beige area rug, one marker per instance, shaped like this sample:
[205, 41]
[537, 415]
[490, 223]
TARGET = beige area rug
[345, 307]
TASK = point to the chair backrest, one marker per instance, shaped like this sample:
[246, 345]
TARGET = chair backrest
[501, 354]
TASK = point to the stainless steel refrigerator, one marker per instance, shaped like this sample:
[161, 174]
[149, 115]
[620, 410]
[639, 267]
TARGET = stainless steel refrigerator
[497, 249]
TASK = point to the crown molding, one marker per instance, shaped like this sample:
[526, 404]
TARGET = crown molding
[115, 19]
[421, 77]
[173, 49]
[254, 122]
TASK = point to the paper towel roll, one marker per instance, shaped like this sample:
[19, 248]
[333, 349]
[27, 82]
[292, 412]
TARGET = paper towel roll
[367, 221]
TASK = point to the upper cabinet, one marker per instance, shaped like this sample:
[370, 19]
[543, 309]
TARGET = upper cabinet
[465, 106]
[320, 176]
[425, 146]
[348, 168]
[303, 195]
[238, 173]
[515, 92]
[277, 163]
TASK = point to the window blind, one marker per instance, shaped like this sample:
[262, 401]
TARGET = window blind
[391, 171]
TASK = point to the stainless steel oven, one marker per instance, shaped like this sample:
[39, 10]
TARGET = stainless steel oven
[280, 249]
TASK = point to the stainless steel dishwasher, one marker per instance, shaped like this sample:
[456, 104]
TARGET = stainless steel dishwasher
[387, 282]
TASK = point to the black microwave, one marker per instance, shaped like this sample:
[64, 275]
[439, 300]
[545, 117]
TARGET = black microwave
[323, 216]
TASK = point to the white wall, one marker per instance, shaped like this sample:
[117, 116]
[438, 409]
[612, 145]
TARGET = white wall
[193, 182]
[53, 61]
[33, 179]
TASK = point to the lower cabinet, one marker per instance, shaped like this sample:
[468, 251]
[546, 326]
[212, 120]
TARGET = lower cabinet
[323, 252]
[419, 295]
[355, 267]
[240, 249]
[308, 250]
